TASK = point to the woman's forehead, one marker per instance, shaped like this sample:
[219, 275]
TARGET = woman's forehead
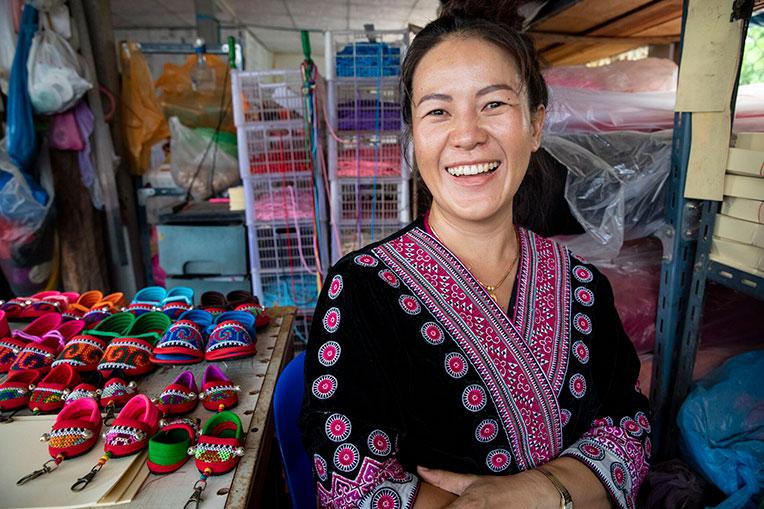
[464, 64]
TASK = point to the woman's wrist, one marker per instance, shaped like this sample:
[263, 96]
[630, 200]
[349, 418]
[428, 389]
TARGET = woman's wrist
[547, 494]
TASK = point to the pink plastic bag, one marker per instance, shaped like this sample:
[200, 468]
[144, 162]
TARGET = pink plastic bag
[64, 132]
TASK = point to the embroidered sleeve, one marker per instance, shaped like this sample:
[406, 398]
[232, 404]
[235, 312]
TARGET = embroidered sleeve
[350, 419]
[617, 445]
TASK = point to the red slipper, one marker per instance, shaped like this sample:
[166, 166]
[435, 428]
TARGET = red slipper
[5, 331]
[12, 344]
[180, 397]
[218, 392]
[16, 389]
[132, 428]
[58, 302]
[50, 394]
[116, 392]
[183, 343]
[233, 337]
[220, 445]
[168, 449]
[76, 430]
[38, 355]
[83, 391]
[16, 306]
[132, 354]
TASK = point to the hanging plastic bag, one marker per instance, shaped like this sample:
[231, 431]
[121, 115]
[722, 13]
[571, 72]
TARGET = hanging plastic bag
[721, 425]
[64, 133]
[56, 80]
[199, 164]
[143, 122]
[7, 43]
[22, 138]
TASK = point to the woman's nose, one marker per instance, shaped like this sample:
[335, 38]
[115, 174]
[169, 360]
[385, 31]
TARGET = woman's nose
[467, 132]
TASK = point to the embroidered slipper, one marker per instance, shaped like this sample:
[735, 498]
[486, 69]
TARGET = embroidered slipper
[214, 303]
[40, 354]
[241, 300]
[5, 330]
[232, 337]
[75, 431]
[83, 391]
[16, 389]
[183, 343]
[180, 397]
[56, 303]
[82, 305]
[116, 393]
[220, 445]
[84, 351]
[109, 305]
[218, 392]
[16, 306]
[132, 353]
[147, 299]
[135, 424]
[168, 449]
[178, 300]
[12, 344]
[50, 394]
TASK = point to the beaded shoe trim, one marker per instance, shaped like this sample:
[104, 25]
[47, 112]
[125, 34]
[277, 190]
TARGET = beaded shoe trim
[214, 453]
[124, 435]
[63, 438]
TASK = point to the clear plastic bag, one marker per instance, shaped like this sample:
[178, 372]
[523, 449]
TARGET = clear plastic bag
[644, 75]
[615, 186]
[56, 79]
[199, 163]
[721, 425]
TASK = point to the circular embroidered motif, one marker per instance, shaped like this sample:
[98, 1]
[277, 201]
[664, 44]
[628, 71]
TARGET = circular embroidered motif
[409, 304]
[497, 460]
[365, 260]
[577, 385]
[582, 323]
[389, 278]
[591, 449]
[473, 398]
[385, 498]
[337, 428]
[602, 421]
[324, 386]
[319, 464]
[583, 274]
[631, 426]
[329, 353]
[487, 430]
[332, 320]
[379, 443]
[643, 421]
[618, 472]
[456, 365]
[565, 416]
[335, 287]
[346, 457]
[584, 296]
[581, 352]
[431, 333]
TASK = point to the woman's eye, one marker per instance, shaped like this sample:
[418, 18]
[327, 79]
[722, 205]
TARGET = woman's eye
[493, 105]
[436, 113]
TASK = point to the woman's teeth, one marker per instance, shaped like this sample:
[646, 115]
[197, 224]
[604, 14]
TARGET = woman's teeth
[472, 169]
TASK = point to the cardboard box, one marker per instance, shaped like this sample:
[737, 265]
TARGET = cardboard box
[745, 162]
[744, 187]
[738, 230]
[750, 141]
[741, 208]
[741, 256]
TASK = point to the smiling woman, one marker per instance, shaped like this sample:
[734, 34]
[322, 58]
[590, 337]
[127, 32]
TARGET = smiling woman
[473, 362]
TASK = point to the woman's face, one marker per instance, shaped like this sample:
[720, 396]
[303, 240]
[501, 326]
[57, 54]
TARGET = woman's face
[472, 128]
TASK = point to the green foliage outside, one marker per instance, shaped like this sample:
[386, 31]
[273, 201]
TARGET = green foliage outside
[752, 70]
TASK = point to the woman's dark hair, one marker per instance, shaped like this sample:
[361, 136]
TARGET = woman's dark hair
[496, 22]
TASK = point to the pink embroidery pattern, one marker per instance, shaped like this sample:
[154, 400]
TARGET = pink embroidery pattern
[643, 421]
[389, 278]
[497, 460]
[456, 365]
[577, 385]
[346, 457]
[582, 323]
[565, 414]
[631, 426]
[365, 260]
[386, 498]
[514, 371]
[345, 493]
[324, 386]
[335, 287]
[337, 428]
[319, 464]
[379, 443]
[581, 352]
[329, 353]
[332, 320]
[409, 304]
[487, 430]
[583, 274]
[584, 296]
[474, 398]
[432, 333]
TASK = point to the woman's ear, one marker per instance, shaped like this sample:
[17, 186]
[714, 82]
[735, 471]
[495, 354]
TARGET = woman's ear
[537, 125]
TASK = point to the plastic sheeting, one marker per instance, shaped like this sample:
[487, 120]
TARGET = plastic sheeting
[615, 186]
[644, 75]
[721, 426]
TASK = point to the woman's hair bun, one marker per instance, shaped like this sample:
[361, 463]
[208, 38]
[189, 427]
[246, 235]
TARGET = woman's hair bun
[499, 11]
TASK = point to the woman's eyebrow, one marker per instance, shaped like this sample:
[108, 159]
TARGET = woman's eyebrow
[435, 97]
[493, 88]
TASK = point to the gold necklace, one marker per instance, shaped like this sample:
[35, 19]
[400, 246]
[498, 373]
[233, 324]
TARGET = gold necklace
[491, 289]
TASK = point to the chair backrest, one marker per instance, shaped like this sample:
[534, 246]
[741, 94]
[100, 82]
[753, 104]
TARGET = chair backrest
[287, 402]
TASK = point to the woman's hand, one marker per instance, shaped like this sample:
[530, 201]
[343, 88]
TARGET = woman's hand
[529, 489]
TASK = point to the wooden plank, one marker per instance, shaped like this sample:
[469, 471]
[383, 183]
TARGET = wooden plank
[585, 15]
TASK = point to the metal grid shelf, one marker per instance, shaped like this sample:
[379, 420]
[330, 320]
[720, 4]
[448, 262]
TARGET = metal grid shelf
[296, 289]
[276, 200]
[284, 247]
[365, 54]
[366, 155]
[355, 236]
[269, 148]
[267, 96]
[366, 106]
[365, 200]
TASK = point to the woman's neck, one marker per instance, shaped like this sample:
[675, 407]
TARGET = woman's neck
[488, 247]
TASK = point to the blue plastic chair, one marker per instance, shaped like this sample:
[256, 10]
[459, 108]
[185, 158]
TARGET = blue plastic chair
[287, 402]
